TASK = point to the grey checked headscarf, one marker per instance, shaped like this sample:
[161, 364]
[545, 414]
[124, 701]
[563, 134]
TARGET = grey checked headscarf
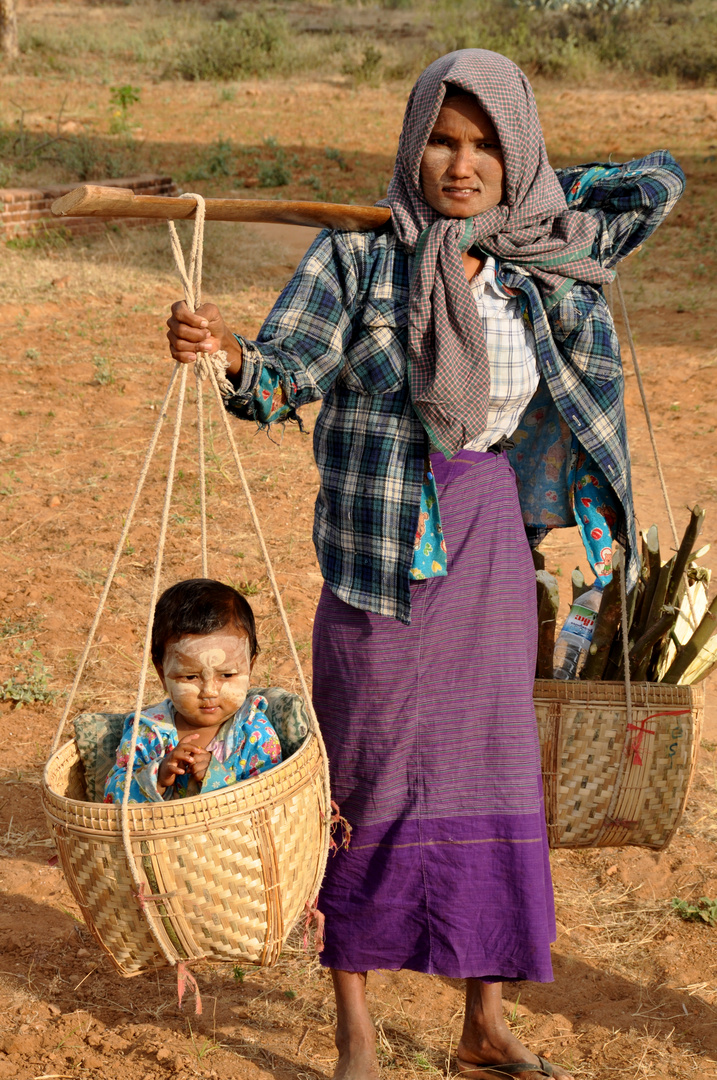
[448, 368]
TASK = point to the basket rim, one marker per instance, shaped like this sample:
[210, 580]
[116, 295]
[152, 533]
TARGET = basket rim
[599, 691]
[196, 802]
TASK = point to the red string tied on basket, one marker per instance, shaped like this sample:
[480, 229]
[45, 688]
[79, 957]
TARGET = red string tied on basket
[641, 730]
[341, 827]
[318, 920]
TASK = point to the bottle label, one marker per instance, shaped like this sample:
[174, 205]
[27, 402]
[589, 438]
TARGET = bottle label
[581, 622]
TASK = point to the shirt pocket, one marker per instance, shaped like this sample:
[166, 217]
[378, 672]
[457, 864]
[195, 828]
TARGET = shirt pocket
[375, 360]
[583, 330]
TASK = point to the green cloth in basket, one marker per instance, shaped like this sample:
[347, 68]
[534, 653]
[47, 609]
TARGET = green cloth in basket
[98, 735]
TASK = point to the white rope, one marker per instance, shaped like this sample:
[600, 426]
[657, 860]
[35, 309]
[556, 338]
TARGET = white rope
[653, 440]
[645, 406]
[115, 559]
[625, 642]
[146, 658]
[202, 474]
[213, 367]
[191, 279]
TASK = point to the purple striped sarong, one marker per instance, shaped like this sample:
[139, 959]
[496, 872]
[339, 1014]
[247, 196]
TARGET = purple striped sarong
[434, 756]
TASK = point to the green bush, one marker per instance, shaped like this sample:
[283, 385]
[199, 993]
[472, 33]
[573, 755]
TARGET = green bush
[704, 910]
[557, 38]
[678, 40]
[248, 45]
[673, 40]
[217, 161]
[367, 69]
[29, 686]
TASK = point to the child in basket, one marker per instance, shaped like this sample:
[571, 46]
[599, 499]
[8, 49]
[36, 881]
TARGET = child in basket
[207, 733]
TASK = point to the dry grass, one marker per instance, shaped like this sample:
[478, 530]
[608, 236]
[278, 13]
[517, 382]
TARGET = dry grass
[15, 839]
[611, 925]
[701, 811]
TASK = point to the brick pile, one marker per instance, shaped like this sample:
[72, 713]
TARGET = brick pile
[26, 211]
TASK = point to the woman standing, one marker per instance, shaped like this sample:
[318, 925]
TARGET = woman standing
[474, 319]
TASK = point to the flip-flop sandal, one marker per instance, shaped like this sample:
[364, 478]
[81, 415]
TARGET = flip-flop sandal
[474, 1070]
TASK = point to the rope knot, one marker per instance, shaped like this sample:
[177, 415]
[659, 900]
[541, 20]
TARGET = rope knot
[192, 281]
[217, 361]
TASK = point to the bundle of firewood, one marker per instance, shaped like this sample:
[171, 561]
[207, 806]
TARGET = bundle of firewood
[671, 626]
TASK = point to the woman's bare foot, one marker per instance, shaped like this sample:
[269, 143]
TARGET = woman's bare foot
[355, 1034]
[487, 1039]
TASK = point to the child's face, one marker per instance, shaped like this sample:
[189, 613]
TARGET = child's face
[207, 675]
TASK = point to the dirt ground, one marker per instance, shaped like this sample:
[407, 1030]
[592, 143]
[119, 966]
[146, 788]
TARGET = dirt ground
[82, 372]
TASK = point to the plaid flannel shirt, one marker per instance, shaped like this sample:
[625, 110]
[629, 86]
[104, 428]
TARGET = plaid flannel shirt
[338, 332]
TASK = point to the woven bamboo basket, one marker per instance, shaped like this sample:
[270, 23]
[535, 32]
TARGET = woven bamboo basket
[607, 784]
[224, 875]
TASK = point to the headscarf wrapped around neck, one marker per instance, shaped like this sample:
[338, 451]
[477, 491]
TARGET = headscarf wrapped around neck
[448, 368]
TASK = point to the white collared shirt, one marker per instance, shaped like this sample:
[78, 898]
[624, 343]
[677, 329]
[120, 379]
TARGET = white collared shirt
[511, 353]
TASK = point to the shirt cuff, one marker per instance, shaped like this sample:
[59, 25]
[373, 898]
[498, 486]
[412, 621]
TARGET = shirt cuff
[251, 368]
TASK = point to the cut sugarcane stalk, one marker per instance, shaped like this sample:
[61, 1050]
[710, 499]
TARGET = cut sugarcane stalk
[651, 567]
[615, 668]
[577, 579]
[683, 628]
[548, 599]
[703, 665]
[654, 614]
[642, 649]
[606, 624]
[693, 530]
[538, 559]
[694, 646]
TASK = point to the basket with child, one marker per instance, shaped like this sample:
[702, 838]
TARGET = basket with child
[197, 828]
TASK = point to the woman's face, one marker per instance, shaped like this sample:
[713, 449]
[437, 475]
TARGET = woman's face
[462, 165]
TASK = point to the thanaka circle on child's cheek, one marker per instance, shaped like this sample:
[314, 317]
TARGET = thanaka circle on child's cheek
[206, 676]
[462, 165]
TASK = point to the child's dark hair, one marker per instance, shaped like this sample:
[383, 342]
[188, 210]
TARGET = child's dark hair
[199, 606]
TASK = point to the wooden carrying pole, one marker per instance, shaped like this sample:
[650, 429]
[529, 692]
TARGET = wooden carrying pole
[89, 200]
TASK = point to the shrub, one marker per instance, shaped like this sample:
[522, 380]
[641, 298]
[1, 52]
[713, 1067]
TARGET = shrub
[368, 69]
[249, 45]
[29, 686]
[678, 40]
[121, 100]
[217, 161]
[704, 910]
[274, 173]
[554, 38]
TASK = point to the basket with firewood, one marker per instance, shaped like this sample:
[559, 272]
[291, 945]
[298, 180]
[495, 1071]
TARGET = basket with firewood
[618, 746]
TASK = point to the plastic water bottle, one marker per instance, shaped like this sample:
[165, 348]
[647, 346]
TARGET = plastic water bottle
[571, 648]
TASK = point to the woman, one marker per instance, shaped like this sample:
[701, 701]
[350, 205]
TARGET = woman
[475, 318]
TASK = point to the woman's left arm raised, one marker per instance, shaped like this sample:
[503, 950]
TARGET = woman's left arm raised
[628, 201]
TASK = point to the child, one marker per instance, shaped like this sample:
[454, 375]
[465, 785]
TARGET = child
[207, 733]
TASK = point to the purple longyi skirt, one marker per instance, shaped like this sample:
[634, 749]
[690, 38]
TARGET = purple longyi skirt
[434, 755]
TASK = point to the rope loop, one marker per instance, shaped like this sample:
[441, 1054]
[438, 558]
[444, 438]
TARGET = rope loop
[191, 279]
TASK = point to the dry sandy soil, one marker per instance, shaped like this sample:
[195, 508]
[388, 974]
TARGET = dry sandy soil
[83, 371]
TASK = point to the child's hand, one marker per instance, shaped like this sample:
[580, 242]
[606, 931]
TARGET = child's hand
[186, 757]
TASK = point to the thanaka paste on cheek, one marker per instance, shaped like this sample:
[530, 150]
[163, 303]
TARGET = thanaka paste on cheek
[207, 657]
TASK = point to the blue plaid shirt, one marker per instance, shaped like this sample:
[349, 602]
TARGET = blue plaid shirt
[338, 333]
